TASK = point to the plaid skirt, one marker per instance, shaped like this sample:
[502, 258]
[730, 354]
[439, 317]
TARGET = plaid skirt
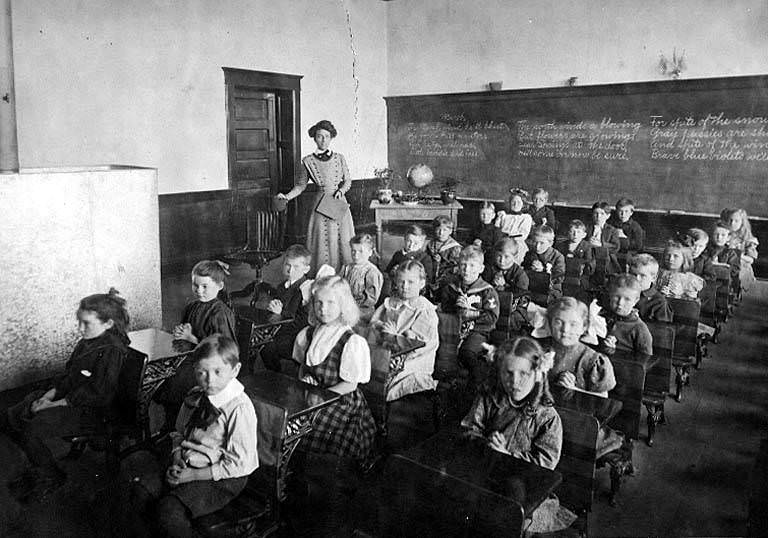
[345, 428]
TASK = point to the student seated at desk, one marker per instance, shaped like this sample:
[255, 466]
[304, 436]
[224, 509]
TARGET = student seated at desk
[331, 356]
[444, 251]
[577, 366]
[652, 305]
[697, 240]
[576, 246]
[78, 402]
[289, 301]
[476, 304]
[486, 234]
[504, 274]
[213, 445]
[514, 413]
[675, 277]
[363, 276]
[540, 212]
[205, 316]
[414, 248]
[718, 252]
[545, 259]
[602, 235]
[406, 312]
[743, 241]
[515, 222]
[626, 331]
[631, 234]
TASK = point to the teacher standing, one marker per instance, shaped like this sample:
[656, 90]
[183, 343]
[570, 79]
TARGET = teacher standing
[327, 237]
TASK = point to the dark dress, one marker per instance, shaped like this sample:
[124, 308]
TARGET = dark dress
[346, 428]
[206, 318]
[89, 398]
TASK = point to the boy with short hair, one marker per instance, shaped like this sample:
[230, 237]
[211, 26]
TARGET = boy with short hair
[719, 253]
[511, 283]
[289, 301]
[652, 305]
[606, 241]
[444, 251]
[545, 259]
[476, 304]
[486, 234]
[626, 331]
[577, 246]
[631, 234]
[505, 274]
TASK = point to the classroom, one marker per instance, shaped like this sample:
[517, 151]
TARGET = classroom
[383, 268]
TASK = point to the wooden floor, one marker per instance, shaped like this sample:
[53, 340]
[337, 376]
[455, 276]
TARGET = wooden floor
[693, 482]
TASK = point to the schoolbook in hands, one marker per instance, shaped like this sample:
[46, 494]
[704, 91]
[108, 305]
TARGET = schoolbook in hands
[333, 208]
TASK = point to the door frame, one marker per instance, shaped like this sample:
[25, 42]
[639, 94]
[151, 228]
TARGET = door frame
[287, 90]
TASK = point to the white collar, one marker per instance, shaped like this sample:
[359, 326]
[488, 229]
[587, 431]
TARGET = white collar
[233, 389]
[324, 338]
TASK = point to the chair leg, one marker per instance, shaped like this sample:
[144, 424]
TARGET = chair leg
[654, 412]
[682, 378]
[437, 410]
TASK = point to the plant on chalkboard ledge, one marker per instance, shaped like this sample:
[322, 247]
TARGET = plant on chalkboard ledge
[385, 176]
[672, 68]
[448, 190]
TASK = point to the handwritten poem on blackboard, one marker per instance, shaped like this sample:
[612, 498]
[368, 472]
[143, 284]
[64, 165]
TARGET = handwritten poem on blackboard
[714, 137]
[605, 140]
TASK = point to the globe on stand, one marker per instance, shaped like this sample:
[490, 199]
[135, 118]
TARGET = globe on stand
[418, 177]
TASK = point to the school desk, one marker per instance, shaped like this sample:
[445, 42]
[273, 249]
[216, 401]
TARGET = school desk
[164, 355]
[255, 329]
[404, 212]
[603, 409]
[458, 486]
[302, 402]
[388, 353]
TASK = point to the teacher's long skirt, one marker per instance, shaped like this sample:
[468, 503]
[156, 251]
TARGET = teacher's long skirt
[328, 239]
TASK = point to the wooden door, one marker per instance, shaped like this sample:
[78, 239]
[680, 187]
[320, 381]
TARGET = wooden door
[253, 159]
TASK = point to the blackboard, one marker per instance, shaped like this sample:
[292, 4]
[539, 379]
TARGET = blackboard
[680, 145]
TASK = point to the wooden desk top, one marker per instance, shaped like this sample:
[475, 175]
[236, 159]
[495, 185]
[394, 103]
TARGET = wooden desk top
[603, 409]
[435, 205]
[158, 344]
[473, 462]
[646, 361]
[296, 397]
[260, 317]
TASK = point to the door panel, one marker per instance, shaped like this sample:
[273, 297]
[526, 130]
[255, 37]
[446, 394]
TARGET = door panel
[253, 157]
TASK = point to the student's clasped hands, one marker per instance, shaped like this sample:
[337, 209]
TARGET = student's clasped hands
[275, 306]
[177, 472]
[183, 331]
[498, 442]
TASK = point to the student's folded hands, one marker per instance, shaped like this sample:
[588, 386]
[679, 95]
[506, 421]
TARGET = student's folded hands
[498, 442]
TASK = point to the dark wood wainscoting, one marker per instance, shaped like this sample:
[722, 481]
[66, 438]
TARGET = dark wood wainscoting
[196, 226]
[203, 225]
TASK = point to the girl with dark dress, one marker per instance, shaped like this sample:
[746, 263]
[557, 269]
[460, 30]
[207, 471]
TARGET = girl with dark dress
[79, 401]
[327, 237]
[205, 316]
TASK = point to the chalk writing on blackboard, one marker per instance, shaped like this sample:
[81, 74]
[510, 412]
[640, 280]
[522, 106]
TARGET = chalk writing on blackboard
[454, 137]
[714, 137]
[607, 139]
